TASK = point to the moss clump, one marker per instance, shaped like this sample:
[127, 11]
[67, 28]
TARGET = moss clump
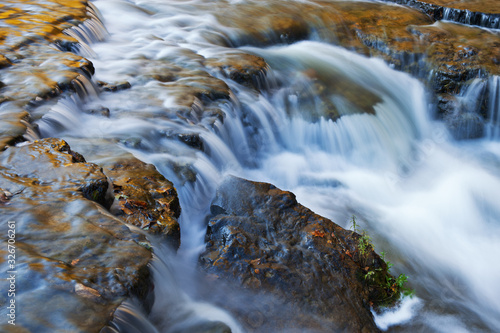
[383, 288]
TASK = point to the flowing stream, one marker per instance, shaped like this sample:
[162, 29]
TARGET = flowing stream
[428, 201]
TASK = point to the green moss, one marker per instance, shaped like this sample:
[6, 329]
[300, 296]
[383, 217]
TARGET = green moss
[383, 288]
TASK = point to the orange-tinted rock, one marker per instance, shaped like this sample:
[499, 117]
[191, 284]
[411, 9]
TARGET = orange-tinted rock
[32, 69]
[260, 237]
[75, 262]
[144, 198]
[244, 68]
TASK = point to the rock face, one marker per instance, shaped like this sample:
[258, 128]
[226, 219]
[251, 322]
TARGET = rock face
[445, 55]
[244, 68]
[75, 262]
[483, 13]
[34, 59]
[262, 238]
[144, 198]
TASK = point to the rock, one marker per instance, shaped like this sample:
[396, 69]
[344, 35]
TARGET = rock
[279, 25]
[483, 13]
[51, 161]
[103, 111]
[244, 68]
[32, 69]
[4, 62]
[191, 139]
[466, 125]
[12, 124]
[75, 262]
[144, 198]
[447, 56]
[115, 86]
[262, 238]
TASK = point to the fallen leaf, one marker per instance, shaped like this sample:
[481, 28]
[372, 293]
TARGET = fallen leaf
[317, 233]
[86, 292]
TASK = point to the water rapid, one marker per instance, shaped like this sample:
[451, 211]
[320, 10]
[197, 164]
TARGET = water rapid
[429, 201]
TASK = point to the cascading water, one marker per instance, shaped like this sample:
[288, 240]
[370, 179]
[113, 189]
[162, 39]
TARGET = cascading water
[428, 201]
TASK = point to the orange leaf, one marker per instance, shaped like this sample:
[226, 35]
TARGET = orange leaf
[138, 203]
[317, 233]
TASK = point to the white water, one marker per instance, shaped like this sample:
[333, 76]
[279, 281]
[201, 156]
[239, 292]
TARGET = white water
[429, 202]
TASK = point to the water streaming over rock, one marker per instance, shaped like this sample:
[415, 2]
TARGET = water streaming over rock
[428, 201]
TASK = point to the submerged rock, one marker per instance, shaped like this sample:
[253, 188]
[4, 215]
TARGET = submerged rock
[75, 262]
[261, 237]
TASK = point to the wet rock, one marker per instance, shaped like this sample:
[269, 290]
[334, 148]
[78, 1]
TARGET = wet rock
[191, 91]
[51, 161]
[262, 238]
[241, 67]
[75, 261]
[191, 139]
[32, 69]
[279, 26]
[144, 198]
[103, 111]
[483, 13]
[12, 125]
[466, 125]
[447, 56]
[115, 86]
[4, 62]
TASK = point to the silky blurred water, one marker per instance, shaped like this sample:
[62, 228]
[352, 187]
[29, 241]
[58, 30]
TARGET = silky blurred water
[429, 202]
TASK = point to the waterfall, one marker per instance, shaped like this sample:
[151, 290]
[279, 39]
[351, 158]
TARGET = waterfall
[428, 201]
[493, 120]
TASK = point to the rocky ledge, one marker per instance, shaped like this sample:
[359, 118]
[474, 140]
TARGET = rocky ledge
[74, 261]
[35, 59]
[260, 237]
[446, 56]
[482, 13]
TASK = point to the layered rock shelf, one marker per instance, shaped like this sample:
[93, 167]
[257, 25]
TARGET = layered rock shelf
[76, 262]
[472, 12]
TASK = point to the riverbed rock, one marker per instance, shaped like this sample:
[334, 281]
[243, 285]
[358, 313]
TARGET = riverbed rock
[74, 261]
[244, 68]
[144, 198]
[260, 237]
[444, 55]
[35, 64]
[483, 13]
